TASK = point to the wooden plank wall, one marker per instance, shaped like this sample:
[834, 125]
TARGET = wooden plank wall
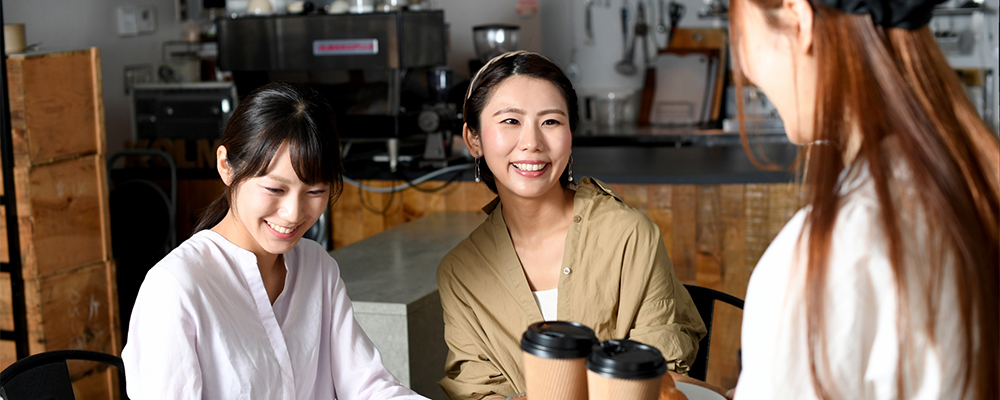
[714, 234]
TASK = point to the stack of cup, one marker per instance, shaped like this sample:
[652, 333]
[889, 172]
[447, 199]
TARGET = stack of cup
[624, 370]
[555, 359]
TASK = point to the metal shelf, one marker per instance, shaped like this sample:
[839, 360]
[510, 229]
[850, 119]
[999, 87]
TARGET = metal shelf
[18, 309]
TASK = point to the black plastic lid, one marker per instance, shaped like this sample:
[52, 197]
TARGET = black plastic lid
[626, 359]
[496, 26]
[558, 339]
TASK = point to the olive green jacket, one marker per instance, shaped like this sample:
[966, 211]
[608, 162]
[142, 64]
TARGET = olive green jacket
[616, 279]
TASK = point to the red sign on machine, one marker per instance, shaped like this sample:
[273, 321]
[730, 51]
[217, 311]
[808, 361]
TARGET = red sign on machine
[345, 47]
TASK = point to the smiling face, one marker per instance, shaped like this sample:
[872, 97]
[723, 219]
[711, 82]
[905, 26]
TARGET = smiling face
[270, 213]
[524, 137]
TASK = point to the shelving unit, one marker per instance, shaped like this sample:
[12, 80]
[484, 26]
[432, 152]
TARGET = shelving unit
[15, 330]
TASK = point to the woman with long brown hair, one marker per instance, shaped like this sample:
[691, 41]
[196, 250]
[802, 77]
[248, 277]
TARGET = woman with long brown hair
[886, 284]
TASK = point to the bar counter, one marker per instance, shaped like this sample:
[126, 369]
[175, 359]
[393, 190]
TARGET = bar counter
[645, 156]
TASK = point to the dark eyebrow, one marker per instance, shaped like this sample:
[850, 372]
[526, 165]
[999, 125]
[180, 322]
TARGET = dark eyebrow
[279, 179]
[510, 110]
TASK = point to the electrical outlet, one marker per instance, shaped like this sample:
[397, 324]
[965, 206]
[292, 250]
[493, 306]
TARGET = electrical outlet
[147, 19]
[128, 24]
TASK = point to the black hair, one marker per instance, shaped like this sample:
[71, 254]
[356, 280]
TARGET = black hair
[499, 69]
[265, 119]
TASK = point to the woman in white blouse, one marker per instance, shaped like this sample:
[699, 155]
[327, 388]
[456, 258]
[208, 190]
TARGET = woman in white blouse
[887, 284]
[244, 309]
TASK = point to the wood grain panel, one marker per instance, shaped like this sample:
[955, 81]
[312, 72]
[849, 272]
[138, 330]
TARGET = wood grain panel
[62, 215]
[52, 118]
[685, 232]
[6, 305]
[73, 310]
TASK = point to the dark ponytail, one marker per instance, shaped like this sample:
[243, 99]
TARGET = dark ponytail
[266, 118]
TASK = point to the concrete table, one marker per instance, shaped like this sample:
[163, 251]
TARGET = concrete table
[391, 279]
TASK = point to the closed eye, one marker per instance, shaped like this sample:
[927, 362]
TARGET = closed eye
[274, 190]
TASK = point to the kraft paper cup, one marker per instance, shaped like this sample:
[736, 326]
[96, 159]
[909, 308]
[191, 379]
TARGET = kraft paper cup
[13, 38]
[555, 360]
[624, 370]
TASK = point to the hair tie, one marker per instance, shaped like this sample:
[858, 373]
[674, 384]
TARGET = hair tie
[906, 14]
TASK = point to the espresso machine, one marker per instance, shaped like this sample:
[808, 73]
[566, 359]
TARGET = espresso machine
[375, 69]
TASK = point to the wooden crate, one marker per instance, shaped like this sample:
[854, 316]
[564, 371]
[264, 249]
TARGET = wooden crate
[98, 383]
[60, 176]
[63, 215]
[8, 352]
[56, 106]
[76, 309]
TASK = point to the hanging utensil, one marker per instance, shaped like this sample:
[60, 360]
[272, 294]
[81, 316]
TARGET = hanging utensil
[624, 17]
[627, 66]
[676, 13]
[641, 29]
[662, 26]
[588, 24]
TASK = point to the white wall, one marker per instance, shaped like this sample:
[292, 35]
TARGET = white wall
[563, 32]
[69, 25]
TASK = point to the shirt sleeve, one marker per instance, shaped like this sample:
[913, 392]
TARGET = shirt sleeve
[667, 317]
[358, 372]
[161, 358]
[469, 371]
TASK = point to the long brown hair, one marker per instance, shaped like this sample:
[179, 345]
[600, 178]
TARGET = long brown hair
[895, 83]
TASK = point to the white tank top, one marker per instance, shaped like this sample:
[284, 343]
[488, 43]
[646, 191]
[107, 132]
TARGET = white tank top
[547, 302]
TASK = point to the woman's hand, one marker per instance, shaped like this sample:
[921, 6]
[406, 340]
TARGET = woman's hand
[684, 378]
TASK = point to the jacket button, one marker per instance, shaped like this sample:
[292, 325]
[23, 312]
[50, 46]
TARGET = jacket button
[566, 271]
[577, 219]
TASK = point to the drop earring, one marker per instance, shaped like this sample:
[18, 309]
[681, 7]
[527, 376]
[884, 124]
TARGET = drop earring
[479, 178]
[569, 168]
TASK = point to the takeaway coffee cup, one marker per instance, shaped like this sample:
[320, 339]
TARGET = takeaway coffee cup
[555, 358]
[624, 370]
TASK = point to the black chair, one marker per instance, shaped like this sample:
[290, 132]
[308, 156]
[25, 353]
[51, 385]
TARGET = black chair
[46, 376]
[704, 299]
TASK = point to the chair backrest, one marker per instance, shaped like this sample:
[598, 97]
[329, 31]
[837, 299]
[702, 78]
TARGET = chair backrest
[704, 299]
[46, 376]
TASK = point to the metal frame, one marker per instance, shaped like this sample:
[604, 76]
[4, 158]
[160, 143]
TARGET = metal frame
[9, 201]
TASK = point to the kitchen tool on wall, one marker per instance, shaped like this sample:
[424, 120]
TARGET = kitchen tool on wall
[642, 29]
[626, 66]
[661, 27]
[588, 24]
[676, 12]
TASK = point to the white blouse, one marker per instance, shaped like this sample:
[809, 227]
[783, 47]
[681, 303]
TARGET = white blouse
[203, 328]
[861, 314]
